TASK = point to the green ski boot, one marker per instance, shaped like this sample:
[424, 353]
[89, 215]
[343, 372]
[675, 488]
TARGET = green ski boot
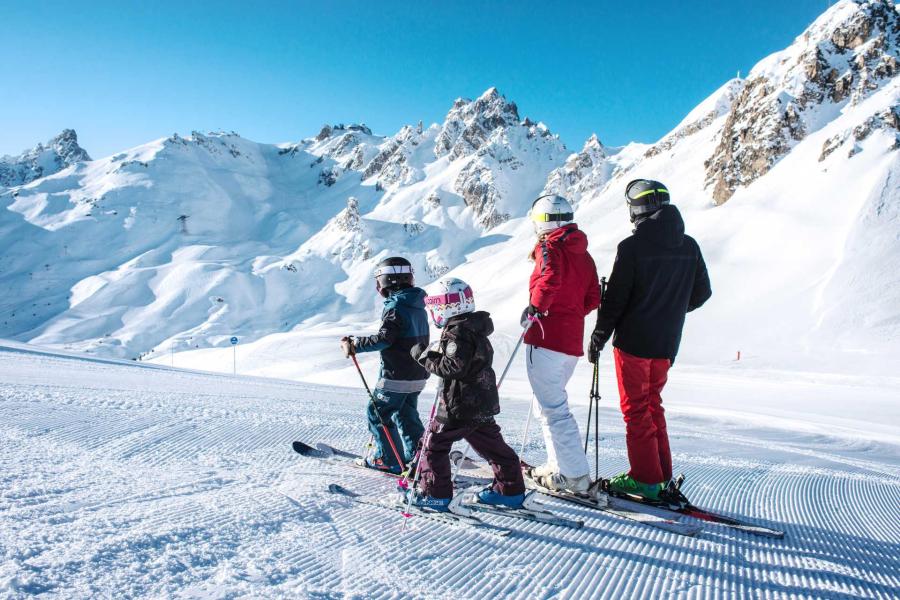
[625, 484]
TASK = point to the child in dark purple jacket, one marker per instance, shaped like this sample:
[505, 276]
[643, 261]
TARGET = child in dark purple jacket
[468, 401]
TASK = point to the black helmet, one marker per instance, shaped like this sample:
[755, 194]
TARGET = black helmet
[645, 197]
[391, 274]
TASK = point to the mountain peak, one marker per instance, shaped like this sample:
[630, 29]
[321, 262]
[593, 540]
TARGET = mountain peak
[469, 123]
[44, 159]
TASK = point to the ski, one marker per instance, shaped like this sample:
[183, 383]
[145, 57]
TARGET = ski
[330, 453]
[531, 511]
[449, 518]
[640, 516]
[628, 502]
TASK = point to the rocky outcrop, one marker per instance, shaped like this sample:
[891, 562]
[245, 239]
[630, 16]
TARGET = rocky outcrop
[348, 219]
[476, 185]
[392, 164]
[887, 119]
[841, 58]
[42, 160]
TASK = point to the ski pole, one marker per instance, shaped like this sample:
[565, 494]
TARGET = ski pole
[404, 483]
[384, 428]
[527, 424]
[595, 400]
[531, 321]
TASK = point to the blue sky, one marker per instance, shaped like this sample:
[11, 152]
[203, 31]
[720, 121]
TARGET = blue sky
[123, 73]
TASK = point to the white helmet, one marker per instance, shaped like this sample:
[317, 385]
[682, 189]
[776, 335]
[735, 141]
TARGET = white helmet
[550, 212]
[452, 297]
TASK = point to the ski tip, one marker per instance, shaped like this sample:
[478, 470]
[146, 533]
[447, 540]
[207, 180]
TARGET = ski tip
[337, 489]
[300, 447]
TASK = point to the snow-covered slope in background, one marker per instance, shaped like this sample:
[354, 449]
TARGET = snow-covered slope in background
[788, 179]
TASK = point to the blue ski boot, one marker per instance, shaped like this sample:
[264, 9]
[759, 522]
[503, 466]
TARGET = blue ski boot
[428, 502]
[489, 496]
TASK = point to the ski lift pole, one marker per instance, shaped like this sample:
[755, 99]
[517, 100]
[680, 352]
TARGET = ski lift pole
[384, 428]
[531, 321]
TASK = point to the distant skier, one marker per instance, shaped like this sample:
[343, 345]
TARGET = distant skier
[403, 325]
[658, 276]
[563, 289]
[468, 401]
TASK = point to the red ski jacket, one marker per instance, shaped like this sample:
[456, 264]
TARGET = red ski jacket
[563, 286]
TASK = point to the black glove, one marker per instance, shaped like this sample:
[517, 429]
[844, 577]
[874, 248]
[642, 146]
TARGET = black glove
[530, 311]
[598, 341]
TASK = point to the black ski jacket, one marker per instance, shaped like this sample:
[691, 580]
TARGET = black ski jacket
[658, 276]
[463, 360]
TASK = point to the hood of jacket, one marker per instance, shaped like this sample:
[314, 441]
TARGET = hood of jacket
[479, 321]
[664, 228]
[412, 297]
[568, 237]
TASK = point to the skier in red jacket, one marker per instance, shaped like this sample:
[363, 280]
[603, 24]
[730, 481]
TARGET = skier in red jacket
[563, 290]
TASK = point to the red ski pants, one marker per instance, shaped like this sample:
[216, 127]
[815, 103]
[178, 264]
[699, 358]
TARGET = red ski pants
[640, 382]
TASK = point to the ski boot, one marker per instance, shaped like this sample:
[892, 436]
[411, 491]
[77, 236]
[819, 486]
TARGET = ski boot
[378, 464]
[626, 484]
[541, 471]
[489, 496]
[420, 500]
[562, 483]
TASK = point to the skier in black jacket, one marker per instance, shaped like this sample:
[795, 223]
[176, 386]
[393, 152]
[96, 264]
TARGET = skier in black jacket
[468, 401]
[658, 277]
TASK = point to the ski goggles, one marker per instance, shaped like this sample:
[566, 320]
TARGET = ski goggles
[452, 298]
[393, 270]
[548, 217]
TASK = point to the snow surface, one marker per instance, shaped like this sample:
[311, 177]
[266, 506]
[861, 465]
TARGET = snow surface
[131, 480]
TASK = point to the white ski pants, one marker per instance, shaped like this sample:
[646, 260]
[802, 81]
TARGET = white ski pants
[548, 373]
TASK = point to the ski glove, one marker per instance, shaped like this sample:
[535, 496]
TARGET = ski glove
[530, 311]
[598, 341]
[420, 352]
[347, 346]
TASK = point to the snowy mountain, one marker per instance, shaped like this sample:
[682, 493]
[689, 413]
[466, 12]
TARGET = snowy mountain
[210, 235]
[42, 160]
[788, 179]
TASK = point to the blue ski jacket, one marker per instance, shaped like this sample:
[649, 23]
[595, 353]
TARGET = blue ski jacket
[404, 324]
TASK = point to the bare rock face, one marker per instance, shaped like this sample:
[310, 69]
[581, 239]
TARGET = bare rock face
[844, 56]
[42, 160]
[584, 172]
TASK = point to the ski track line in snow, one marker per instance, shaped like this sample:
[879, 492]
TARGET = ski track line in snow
[116, 481]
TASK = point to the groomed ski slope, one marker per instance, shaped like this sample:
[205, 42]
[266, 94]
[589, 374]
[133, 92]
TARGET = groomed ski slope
[127, 480]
